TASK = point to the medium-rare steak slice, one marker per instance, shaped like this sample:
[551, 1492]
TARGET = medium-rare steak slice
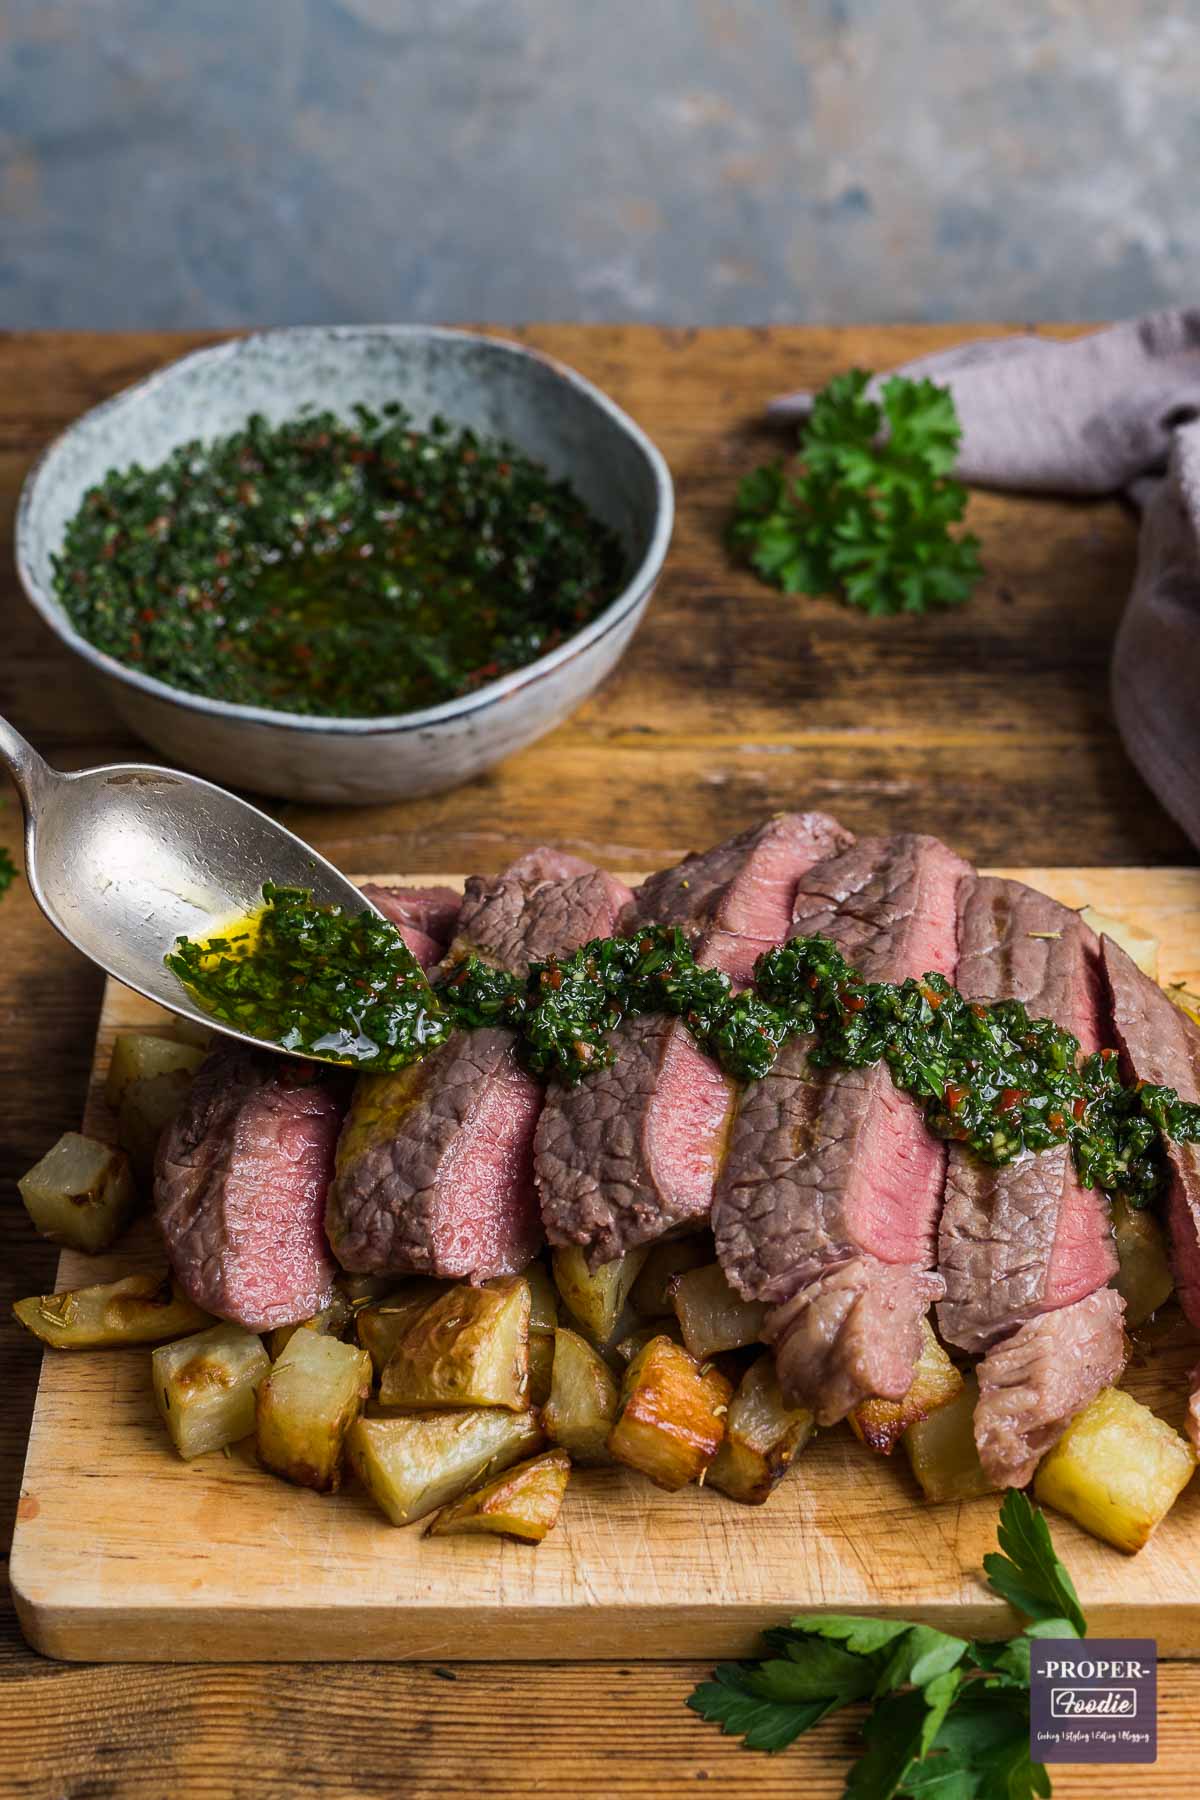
[435, 1165]
[1032, 1385]
[833, 1167]
[1159, 1044]
[1028, 1237]
[424, 917]
[633, 1151]
[239, 1188]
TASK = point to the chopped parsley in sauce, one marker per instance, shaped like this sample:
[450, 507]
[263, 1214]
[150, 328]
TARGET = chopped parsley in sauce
[987, 1076]
[321, 567]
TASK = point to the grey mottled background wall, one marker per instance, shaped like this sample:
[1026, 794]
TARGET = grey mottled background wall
[214, 162]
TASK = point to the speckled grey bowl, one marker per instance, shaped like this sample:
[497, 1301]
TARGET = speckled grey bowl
[499, 388]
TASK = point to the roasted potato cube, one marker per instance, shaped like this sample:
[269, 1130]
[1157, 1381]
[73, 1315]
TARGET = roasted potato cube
[941, 1449]
[470, 1347]
[671, 1417]
[880, 1424]
[147, 1108]
[541, 1366]
[712, 1317]
[543, 1298]
[522, 1503]
[81, 1193]
[138, 1309]
[305, 1407]
[381, 1325]
[204, 1386]
[583, 1399]
[762, 1437]
[1144, 1280]
[1138, 945]
[412, 1465]
[331, 1321]
[648, 1296]
[139, 1056]
[595, 1301]
[1117, 1470]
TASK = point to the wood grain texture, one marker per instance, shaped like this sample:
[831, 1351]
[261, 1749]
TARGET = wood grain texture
[648, 768]
[196, 1561]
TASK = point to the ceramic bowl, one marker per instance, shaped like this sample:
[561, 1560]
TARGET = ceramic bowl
[502, 390]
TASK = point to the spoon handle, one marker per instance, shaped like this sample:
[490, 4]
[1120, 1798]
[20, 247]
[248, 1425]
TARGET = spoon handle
[30, 772]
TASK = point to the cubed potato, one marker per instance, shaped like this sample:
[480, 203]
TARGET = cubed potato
[583, 1399]
[712, 1317]
[671, 1417]
[205, 1386]
[648, 1296]
[147, 1108]
[522, 1503]
[941, 1449]
[762, 1437]
[543, 1297]
[470, 1347]
[138, 1309]
[880, 1424]
[382, 1324]
[1117, 1470]
[541, 1366]
[81, 1193]
[416, 1463]
[139, 1056]
[1138, 945]
[595, 1300]
[313, 1394]
[1144, 1280]
[331, 1321]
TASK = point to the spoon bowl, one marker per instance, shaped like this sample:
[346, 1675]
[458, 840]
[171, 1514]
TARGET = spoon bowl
[124, 859]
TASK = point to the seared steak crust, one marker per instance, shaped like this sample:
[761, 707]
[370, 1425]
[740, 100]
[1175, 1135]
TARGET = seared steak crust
[525, 916]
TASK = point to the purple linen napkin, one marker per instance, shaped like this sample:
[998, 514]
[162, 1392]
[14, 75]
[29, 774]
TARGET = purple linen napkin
[1116, 410]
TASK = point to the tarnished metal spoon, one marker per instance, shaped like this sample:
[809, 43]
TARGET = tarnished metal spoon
[124, 859]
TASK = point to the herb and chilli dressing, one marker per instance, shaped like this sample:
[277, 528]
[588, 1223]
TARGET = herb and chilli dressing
[339, 569]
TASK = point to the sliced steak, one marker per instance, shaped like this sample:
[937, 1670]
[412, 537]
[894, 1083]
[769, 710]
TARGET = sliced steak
[424, 916]
[1032, 1385]
[1028, 1237]
[833, 1167]
[239, 1188]
[633, 1152]
[435, 1165]
[1160, 1044]
[1191, 1423]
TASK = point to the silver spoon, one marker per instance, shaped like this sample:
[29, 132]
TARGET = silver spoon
[124, 859]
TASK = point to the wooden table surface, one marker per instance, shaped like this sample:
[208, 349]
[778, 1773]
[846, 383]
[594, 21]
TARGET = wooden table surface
[989, 726]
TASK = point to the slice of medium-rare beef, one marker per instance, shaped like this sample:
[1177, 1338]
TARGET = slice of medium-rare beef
[425, 917]
[1191, 1423]
[1027, 1237]
[435, 1165]
[834, 1167]
[632, 1152]
[1159, 1044]
[1032, 1385]
[240, 1183]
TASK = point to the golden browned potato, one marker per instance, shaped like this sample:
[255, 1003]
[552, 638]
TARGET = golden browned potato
[1144, 1280]
[416, 1463]
[595, 1301]
[648, 1296]
[523, 1503]
[1117, 1470]
[331, 1321]
[205, 1385]
[140, 1055]
[543, 1297]
[470, 1347]
[147, 1108]
[880, 1424]
[81, 1193]
[712, 1317]
[762, 1437]
[941, 1449]
[138, 1309]
[381, 1325]
[671, 1417]
[583, 1399]
[313, 1394]
[541, 1366]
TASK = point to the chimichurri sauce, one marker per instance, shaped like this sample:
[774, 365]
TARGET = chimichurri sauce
[344, 569]
[987, 1076]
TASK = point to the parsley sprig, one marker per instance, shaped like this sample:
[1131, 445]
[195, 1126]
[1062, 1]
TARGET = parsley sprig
[869, 513]
[949, 1716]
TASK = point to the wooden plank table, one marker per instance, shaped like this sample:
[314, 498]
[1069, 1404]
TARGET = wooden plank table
[989, 726]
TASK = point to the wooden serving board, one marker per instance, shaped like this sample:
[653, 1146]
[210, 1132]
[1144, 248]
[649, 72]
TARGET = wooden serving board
[124, 1553]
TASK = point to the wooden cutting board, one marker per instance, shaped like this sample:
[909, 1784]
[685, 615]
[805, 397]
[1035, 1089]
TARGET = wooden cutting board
[123, 1553]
